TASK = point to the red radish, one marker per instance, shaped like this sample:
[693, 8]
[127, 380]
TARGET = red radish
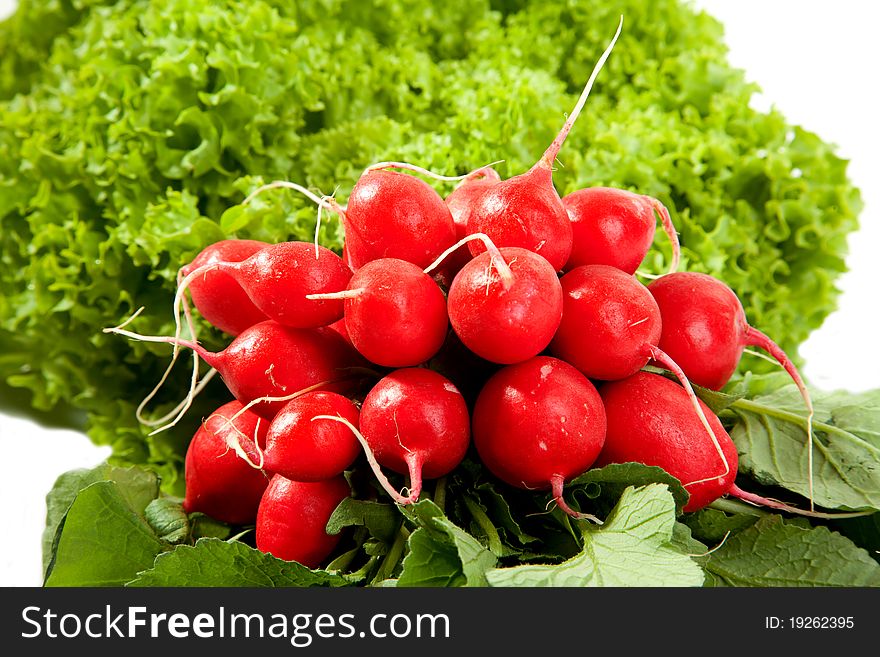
[339, 327]
[526, 211]
[269, 361]
[278, 278]
[293, 515]
[460, 202]
[615, 227]
[705, 330]
[302, 450]
[651, 421]
[539, 423]
[395, 215]
[609, 322]
[506, 306]
[414, 421]
[219, 482]
[217, 295]
[395, 314]
[610, 329]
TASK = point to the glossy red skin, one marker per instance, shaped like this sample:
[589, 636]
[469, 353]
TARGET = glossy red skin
[396, 215]
[506, 325]
[651, 421]
[536, 420]
[293, 515]
[610, 227]
[704, 326]
[400, 320]
[339, 327]
[301, 449]
[217, 295]
[524, 211]
[609, 320]
[278, 277]
[271, 360]
[418, 411]
[460, 202]
[219, 483]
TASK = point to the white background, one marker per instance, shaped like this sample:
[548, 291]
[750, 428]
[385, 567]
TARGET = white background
[815, 60]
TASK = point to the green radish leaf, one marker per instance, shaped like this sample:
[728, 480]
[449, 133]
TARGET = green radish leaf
[500, 511]
[137, 486]
[611, 480]
[381, 520]
[430, 561]
[770, 435]
[102, 540]
[775, 553]
[168, 520]
[713, 525]
[441, 535]
[864, 532]
[212, 562]
[683, 539]
[203, 526]
[635, 547]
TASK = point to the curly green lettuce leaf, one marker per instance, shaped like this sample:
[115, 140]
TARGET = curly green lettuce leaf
[130, 131]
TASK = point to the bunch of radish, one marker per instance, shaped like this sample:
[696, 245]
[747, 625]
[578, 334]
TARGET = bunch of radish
[525, 301]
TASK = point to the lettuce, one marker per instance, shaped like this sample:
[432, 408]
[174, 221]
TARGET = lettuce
[131, 130]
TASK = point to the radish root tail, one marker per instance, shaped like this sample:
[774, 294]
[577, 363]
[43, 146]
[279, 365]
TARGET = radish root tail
[663, 358]
[195, 385]
[549, 157]
[406, 166]
[495, 256]
[343, 294]
[757, 500]
[285, 398]
[485, 171]
[557, 483]
[234, 441]
[415, 481]
[756, 338]
[669, 228]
